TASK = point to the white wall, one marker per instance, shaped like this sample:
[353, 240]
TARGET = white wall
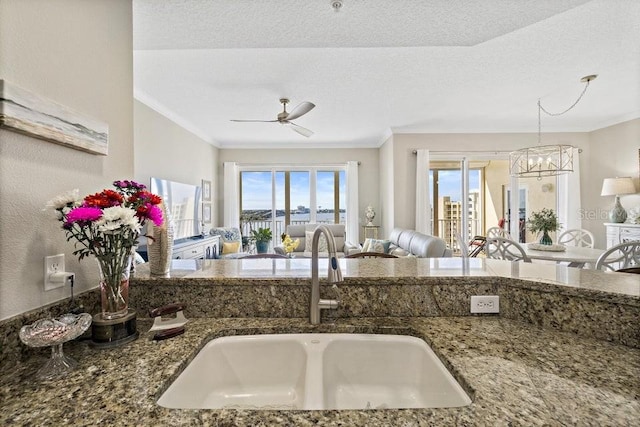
[614, 152]
[368, 190]
[79, 54]
[163, 149]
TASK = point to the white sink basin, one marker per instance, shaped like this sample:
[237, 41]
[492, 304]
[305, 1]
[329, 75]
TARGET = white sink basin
[315, 371]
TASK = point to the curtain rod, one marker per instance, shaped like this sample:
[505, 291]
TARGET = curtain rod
[464, 152]
[472, 152]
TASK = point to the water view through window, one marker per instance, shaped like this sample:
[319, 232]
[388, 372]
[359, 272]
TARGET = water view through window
[276, 198]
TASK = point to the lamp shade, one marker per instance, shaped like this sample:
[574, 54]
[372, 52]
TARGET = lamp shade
[617, 186]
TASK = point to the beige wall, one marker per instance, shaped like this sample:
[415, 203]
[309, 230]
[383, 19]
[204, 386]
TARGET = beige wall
[614, 152]
[79, 54]
[165, 150]
[496, 178]
[368, 191]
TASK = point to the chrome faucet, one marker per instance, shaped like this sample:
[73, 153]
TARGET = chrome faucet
[334, 274]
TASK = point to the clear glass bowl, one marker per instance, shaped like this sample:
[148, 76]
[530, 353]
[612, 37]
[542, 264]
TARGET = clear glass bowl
[54, 333]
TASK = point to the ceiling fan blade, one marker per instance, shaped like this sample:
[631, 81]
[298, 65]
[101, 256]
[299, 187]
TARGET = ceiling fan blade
[255, 121]
[300, 110]
[302, 131]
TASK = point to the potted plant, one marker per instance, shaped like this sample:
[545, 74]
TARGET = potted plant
[543, 222]
[262, 236]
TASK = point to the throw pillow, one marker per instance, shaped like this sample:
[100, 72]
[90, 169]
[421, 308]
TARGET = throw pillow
[230, 247]
[375, 245]
[308, 240]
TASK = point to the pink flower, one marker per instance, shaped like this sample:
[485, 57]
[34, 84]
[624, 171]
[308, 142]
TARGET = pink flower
[155, 214]
[83, 214]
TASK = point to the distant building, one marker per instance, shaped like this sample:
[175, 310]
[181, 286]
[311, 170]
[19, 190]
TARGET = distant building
[450, 216]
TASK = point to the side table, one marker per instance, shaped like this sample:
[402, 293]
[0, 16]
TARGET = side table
[373, 229]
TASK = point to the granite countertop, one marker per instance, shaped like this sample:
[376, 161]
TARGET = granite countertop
[582, 280]
[516, 374]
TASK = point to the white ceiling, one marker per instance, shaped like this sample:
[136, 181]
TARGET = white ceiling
[377, 67]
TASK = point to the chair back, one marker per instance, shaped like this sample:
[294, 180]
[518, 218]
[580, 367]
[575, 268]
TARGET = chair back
[506, 249]
[577, 237]
[498, 232]
[370, 255]
[624, 255]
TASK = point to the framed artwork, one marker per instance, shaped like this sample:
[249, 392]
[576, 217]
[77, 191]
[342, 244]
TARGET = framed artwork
[25, 112]
[206, 190]
[206, 213]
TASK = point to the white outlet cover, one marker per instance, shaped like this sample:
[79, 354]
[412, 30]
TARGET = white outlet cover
[485, 304]
[53, 264]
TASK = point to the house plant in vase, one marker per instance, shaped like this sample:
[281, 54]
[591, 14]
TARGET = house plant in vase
[107, 225]
[543, 222]
[262, 237]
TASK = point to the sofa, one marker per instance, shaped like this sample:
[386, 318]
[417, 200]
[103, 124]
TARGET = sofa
[403, 242]
[303, 250]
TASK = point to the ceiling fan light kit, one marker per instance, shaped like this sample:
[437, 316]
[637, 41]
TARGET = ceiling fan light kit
[284, 117]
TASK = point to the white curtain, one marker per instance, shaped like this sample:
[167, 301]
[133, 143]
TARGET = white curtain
[569, 200]
[423, 196]
[231, 195]
[352, 226]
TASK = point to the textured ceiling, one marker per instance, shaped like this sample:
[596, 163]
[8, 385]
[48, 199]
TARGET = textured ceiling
[380, 67]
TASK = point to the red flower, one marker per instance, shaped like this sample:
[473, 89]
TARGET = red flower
[104, 199]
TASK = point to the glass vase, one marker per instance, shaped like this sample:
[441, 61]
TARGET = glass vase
[546, 239]
[114, 284]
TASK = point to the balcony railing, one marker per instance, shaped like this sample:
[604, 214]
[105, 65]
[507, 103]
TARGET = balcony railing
[447, 229]
[280, 228]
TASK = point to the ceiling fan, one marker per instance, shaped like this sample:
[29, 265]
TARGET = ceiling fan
[284, 118]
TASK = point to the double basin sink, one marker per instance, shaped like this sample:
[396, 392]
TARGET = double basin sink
[315, 371]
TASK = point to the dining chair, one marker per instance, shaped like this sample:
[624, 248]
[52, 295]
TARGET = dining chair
[498, 232]
[577, 237]
[370, 255]
[624, 255]
[262, 256]
[506, 249]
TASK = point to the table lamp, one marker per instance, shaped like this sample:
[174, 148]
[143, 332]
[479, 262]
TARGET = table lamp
[617, 187]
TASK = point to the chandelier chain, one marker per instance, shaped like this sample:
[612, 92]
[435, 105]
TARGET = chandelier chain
[586, 86]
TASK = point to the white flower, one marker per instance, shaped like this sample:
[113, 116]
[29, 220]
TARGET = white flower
[117, 217]
[62, 200]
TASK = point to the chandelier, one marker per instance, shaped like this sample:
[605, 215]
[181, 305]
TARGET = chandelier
[545, 160]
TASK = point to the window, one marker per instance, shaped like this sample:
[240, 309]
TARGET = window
[277, 197]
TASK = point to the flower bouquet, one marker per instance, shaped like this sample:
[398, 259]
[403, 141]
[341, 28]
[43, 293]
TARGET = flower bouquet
[289, 244]
[543, 221]
[107, 225]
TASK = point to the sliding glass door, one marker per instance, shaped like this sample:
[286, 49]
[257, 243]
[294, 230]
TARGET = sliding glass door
[457, 200]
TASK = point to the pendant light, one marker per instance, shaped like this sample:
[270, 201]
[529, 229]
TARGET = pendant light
[545, 160]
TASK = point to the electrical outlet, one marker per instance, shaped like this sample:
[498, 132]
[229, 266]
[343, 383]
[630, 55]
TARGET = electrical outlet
[53, 264]
[485, 304]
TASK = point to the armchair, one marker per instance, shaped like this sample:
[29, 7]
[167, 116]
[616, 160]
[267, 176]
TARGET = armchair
[230, 241]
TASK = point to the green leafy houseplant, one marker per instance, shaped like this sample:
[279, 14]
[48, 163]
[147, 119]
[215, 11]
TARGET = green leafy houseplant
[262, 236]
[543, 222]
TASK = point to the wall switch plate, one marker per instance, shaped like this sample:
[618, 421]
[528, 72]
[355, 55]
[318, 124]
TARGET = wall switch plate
[53, 264]
[485, 304]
